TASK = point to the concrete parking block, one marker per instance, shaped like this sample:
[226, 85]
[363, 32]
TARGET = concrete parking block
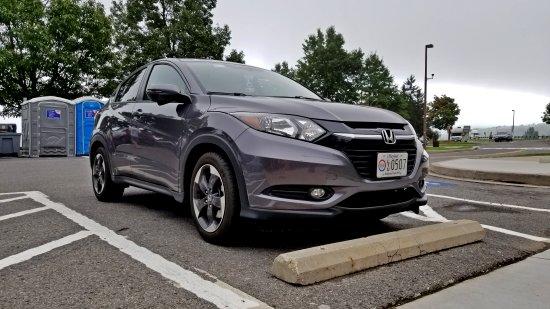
[325, 262]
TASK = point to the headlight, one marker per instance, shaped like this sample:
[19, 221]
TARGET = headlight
[289, 126]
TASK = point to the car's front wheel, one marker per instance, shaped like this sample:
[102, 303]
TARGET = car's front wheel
[214, 198]
[105, 189]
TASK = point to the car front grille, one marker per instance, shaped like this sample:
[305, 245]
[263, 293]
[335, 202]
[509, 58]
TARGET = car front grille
[363, 153]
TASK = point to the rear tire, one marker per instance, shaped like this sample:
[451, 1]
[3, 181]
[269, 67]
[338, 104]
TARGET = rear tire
[214, 198]
[104, 188]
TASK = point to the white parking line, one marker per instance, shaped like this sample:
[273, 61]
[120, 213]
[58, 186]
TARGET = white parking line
[431, 215]
[488, 203]
[22, 213]
[29, 254]
[498, 229]
[13, 199]
[13, 193]
[215, 292]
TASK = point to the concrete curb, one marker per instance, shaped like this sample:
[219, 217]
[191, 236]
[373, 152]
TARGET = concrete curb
[530, 179]
[321, 263]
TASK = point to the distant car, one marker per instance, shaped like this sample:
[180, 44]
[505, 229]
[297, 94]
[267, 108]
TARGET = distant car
[503, 136]
[456, 138]
[234, 141]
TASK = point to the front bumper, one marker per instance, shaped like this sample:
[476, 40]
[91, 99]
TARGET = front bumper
[268, 161]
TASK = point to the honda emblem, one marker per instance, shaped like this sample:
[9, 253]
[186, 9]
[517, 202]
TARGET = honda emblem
[388, 136]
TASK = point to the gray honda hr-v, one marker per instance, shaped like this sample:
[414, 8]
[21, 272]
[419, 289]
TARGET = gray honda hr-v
[233, 141]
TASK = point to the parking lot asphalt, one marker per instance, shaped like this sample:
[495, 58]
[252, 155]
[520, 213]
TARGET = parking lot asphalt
[101, 270]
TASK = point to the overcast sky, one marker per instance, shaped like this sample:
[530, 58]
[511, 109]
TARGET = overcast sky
[492, 56]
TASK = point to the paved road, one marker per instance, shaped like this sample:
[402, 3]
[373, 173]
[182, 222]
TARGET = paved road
[145, 252]
[492, 149]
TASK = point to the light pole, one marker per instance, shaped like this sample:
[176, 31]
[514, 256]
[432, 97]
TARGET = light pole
[513, 118]
[424, 124]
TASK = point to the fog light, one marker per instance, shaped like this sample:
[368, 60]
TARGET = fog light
[317, 193]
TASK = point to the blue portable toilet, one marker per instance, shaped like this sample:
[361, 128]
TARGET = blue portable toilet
[85, 110]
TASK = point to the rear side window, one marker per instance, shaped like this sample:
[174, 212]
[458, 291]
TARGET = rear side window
[129, 89]
[162, 74]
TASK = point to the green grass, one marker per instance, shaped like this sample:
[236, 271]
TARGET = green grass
[458, 146]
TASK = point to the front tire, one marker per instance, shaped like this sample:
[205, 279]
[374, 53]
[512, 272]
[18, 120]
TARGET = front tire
[105, 189]
[214, 198]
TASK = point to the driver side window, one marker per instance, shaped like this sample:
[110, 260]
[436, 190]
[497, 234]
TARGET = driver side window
[165, 74]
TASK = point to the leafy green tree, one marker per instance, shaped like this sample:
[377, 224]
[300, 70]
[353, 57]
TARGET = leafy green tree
[52, 47]
[284, 69]
[414, 100]
[379, 88]
[531, 133]
[327, 68]
[235, 56]
[443, 113]
[151, 29]
[546, 114]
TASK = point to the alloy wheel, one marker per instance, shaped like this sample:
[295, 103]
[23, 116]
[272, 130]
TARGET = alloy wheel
[98, 173]
[208, 198]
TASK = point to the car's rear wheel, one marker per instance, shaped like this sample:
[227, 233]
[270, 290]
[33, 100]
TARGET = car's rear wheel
[214, 198]
[105, 189]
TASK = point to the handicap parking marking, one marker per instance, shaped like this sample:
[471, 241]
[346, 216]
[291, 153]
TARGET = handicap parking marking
[214, 291]
[440, 184]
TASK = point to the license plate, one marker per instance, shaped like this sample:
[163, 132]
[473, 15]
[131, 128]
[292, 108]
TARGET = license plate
[393, 164]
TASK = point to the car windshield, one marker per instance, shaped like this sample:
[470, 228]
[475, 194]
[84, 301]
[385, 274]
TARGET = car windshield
[502, 133]
[237, 79]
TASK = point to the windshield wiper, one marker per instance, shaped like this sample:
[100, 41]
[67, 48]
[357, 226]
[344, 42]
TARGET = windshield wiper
[296, 97]
[237, 94]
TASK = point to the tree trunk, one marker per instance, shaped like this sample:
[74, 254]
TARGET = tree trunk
[449, 134]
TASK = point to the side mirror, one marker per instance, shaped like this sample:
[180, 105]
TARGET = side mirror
[167, 93]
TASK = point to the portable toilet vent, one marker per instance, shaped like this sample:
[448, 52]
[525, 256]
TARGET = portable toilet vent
[85, 111]
[47, 127]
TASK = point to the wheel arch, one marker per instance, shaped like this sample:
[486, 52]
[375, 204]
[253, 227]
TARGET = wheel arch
[212, 143]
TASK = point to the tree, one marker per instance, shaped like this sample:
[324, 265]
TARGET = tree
[443, 113]
[531, 133]
[52, 47]
[328, 69]
[284, 69]
[414, 100]
[546, 114]
[378, 86]
[153, 29]
[235, 56]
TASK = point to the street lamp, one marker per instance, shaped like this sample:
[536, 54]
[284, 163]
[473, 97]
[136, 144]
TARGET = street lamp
[424, 124]
[513, 117]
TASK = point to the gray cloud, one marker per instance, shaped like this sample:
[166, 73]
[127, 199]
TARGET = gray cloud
[488, 43]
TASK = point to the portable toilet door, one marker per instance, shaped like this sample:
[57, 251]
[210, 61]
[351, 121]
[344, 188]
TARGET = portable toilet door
[85, 111]
[48, 127]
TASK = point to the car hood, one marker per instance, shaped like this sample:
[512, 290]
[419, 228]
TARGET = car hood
[305, 108]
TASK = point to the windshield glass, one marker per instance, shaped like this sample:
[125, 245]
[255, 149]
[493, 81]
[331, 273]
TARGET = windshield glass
[502, 133]
[229, 78]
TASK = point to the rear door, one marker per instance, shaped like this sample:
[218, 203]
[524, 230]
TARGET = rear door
[160, 129]
[123, 131]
